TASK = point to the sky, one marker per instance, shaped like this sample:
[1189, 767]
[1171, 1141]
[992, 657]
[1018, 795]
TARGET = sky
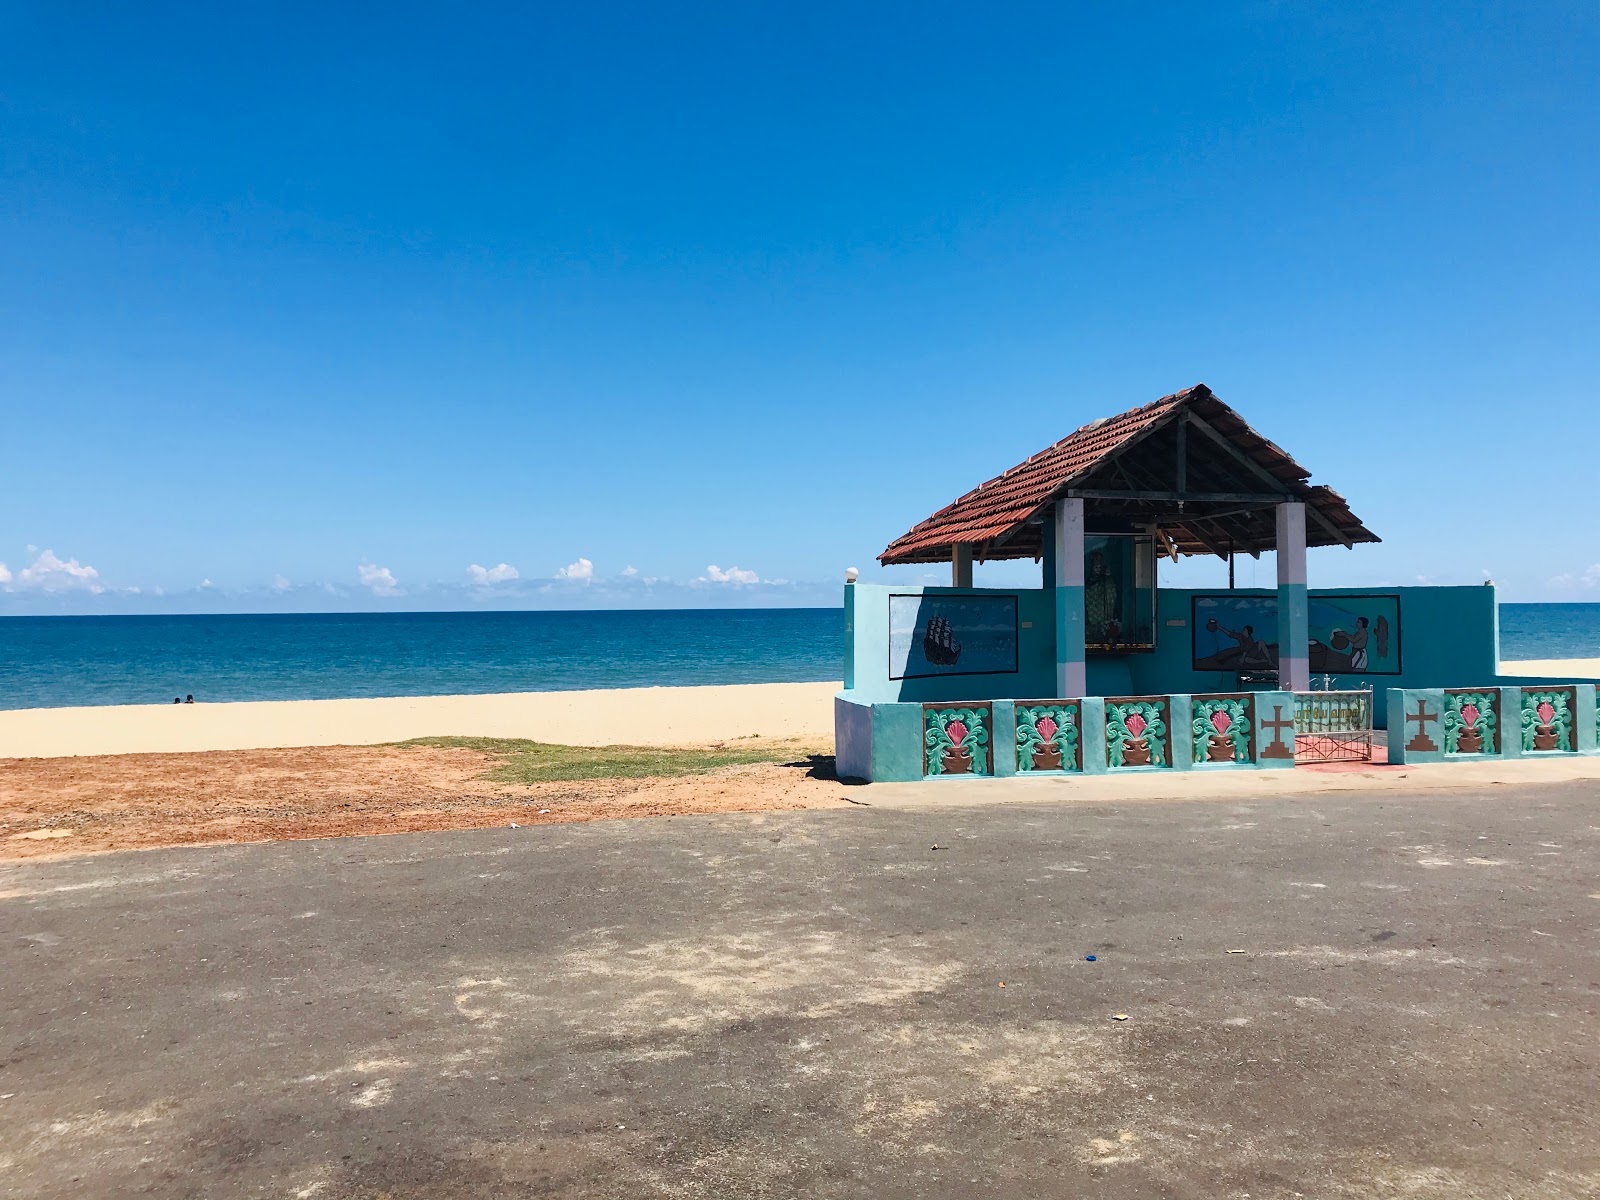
[362, 306]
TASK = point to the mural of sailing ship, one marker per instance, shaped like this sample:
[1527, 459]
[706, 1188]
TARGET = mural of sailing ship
[939, 645]
[952, 635]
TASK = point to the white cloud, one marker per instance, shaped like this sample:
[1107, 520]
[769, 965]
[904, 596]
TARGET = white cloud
[50, 574]
[205, 583]
[626, 571]
[5, 575]
[484, 576]
[582, 569]
[280, 583]
[1590, 578]
[380, 579]
[715, 574]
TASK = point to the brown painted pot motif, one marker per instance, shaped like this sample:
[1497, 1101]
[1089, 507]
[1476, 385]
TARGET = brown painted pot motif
[1136, 753]
[1219, 749]
[1470, 741]
[1046, 757]
[1544, 737]
[958, 761]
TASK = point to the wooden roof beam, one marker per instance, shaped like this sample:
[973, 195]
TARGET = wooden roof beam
[1262, 473]
[1179, 497]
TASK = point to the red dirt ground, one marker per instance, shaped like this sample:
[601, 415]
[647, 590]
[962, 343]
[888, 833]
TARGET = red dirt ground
[55, 806]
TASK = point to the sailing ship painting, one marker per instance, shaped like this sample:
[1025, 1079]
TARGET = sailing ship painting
[952, 635]
[939, 644]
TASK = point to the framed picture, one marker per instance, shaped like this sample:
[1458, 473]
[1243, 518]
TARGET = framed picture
[952, 635]
[1349, 634]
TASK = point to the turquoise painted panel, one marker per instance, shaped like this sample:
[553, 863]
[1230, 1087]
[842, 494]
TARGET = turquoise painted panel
[1472, 721]
[1222, 730]
[1274, 720]
[1067, 607]
[1179, 714]
[849, 636]
[1092, 727]
[1294, 619]
[1416, 725]
[1547, 716]
[1138, 732]
[896, 742]
[1047, 737]
[1002, 736]
[1586, 721]
[956, 739]
[1510, 707]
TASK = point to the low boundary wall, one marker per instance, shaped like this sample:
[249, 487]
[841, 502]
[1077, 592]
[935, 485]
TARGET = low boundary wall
[1219, 731]
[1089, 735]
[1548, 719]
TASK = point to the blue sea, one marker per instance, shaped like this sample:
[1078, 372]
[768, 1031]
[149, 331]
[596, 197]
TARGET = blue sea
[56, 661]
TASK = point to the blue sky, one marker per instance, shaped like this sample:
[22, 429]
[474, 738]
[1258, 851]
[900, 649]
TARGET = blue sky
[324, 306]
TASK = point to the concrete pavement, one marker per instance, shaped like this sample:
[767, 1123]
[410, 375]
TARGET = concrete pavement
[810, 1004]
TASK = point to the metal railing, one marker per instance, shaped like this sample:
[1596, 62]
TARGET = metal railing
[1333, 726]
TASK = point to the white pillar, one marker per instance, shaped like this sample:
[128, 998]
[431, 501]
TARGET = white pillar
[1294, 608]
[960, 566]
[1071, 673]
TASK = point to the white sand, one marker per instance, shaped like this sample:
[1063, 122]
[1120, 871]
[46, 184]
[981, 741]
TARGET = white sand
[633, 716]
[1554, 668]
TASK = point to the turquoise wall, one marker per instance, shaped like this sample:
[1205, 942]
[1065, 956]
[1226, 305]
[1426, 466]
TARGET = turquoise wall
[867, 652]
[1449, 637]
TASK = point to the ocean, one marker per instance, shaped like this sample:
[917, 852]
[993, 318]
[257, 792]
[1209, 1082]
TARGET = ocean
[57, 661]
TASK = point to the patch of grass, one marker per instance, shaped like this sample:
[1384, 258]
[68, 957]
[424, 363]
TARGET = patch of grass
[524, 761]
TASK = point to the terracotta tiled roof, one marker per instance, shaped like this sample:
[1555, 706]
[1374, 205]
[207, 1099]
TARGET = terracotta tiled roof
[999, 519]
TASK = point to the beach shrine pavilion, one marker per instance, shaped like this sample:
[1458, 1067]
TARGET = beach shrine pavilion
[1101, 669]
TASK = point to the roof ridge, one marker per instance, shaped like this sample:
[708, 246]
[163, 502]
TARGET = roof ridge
[999, 506]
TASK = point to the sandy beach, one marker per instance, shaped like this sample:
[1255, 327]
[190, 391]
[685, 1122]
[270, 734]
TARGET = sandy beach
[661, 716]
[1554, 668]
[677, 716]
[140, 776]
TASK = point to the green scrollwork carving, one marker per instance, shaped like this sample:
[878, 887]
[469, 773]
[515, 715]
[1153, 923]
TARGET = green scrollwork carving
[956, 740]
[1136, 733]
[1221, 730]
[1469, 723]
[1047, 737]
[1547, 720]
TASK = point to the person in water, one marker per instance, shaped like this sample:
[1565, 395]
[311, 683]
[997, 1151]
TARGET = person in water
[189, 699]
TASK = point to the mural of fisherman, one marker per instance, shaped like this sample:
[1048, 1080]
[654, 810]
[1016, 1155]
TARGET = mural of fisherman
[1252, 653]
[1350, 634]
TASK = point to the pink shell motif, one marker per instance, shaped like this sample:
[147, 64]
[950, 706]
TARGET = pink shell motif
[1220, 721]
[1469, 714]
[1047, 728]
[1546, 712]
[957, 731]
[1135, 724]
